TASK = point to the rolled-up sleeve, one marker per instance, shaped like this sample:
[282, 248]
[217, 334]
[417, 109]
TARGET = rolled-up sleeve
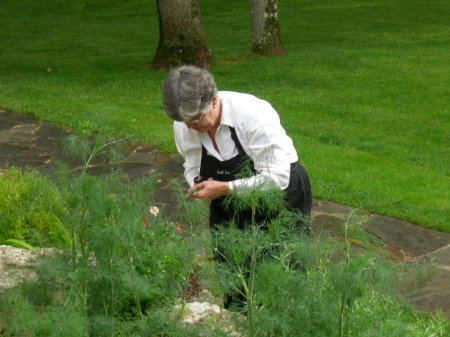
[266, 142]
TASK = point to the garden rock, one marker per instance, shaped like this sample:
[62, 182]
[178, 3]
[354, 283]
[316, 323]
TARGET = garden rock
[197, 313]
[17, 264]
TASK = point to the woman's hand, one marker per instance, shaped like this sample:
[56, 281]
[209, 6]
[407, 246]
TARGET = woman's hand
[210, 189]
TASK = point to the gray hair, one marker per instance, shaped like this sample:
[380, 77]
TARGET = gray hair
[188, 91]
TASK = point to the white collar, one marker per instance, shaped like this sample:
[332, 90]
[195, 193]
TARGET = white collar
[226, 117]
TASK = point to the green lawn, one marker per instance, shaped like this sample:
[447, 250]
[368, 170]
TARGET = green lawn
[363, 90]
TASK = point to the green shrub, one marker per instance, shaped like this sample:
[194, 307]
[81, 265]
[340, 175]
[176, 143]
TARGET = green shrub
[31, 210]
[128, 264]
[290, 283]
[125, 266]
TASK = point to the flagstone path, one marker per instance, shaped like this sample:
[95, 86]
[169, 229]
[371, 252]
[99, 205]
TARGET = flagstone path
[26, 141]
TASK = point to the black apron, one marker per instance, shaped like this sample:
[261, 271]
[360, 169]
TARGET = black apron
[298, 193]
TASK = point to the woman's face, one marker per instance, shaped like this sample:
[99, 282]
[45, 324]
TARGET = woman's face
[205, 122]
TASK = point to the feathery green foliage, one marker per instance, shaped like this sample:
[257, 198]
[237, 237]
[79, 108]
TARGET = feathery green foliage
[32, 209]
[128, 264]
[292, 283]
[124, 269]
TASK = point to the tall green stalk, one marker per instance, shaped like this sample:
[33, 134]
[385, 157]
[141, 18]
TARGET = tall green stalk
[98, 149]
[344, 298]
[250, 305]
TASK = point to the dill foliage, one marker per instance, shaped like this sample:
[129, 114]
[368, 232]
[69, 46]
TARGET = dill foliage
[31, 210]
[118, 275]
[289, 282]
[123, 265]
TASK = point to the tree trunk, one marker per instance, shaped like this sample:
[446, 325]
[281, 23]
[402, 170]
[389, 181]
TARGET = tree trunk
[181, 36]
[266, 38]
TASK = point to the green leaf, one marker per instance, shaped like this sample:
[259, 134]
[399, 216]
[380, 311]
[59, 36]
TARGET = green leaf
[21, 244]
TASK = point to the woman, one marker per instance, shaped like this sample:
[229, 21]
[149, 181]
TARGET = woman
[217, 131]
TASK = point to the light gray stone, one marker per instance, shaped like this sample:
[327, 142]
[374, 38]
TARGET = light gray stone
[208, 314]
[17, 264]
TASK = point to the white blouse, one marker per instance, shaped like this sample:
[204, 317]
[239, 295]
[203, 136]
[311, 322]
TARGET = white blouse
[259, 131]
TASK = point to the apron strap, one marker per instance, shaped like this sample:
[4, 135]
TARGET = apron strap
[236, 140]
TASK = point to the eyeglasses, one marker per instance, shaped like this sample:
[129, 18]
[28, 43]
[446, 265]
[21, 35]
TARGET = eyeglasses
[196, 120]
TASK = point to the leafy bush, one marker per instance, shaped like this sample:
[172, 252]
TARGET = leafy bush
[123, 269]
[290, 283]
[126, 265]
[31, 210]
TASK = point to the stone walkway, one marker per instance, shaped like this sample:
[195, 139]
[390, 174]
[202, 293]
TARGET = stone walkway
[25, 141]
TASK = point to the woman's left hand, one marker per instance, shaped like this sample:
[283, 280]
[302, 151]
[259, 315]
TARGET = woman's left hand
[210, 189]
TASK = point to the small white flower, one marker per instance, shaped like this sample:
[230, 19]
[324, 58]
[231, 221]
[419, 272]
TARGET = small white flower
[154, 210]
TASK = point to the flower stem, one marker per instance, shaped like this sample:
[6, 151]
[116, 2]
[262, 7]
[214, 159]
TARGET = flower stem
[252, 276]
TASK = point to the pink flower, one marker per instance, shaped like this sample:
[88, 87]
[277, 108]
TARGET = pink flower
[154, 210]
[145, 221]
[180, 230]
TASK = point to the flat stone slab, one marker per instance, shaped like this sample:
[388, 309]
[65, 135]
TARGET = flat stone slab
[329, 207]
[406, 242]
[25, 141]
[440, 257]
[414, 239]
[28, 142]
[434, 293]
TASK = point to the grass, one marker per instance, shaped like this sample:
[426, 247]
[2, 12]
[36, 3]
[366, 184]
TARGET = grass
[363, 90]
